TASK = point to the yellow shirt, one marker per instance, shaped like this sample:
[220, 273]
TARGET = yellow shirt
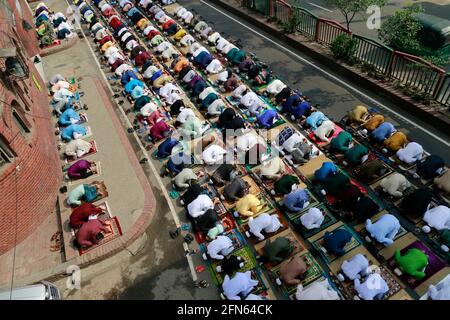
[106, 45]
[161, 81]
[179, 35]
[142, 24]
[248, 206]
[358, 114]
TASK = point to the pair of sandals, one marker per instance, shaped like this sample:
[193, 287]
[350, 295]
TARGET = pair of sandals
[57, 238]
[202, 284]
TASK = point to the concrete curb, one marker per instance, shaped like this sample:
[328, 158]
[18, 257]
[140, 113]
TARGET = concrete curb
[439, 120]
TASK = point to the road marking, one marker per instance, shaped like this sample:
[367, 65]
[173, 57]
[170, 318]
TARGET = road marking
[342, 82]
[316, 5]
[152, 166]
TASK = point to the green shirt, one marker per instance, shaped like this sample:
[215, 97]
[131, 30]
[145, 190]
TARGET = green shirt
[278, 250]
[342, 141]
[284, 185]
[355, 154]
[413, 262]
[336, 183]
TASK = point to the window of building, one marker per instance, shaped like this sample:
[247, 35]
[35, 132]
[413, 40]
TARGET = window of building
[6, 154]
[19, 118]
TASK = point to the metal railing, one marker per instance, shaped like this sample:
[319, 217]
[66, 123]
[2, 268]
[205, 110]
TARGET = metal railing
[409, 70]
[329, 30]
[283, 11]
[373, 53]
[443, 95]
[307, 24]
[416, 73]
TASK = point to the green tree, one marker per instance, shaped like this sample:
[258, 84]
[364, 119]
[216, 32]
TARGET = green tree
[349, 8]
[401, 31]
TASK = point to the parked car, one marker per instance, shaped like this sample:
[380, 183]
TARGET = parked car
[41, 291]
[435, 33]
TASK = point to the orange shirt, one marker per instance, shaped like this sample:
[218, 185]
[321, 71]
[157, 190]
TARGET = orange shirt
[374, 122]
[181, 65]
[397, 141]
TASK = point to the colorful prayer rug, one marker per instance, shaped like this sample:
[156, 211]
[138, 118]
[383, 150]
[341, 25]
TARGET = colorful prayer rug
[434, 264]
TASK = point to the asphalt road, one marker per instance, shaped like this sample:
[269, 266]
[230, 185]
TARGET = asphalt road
[439, 8]
[334, 95]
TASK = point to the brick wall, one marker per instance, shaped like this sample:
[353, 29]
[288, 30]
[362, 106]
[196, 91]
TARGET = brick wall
[30, 191]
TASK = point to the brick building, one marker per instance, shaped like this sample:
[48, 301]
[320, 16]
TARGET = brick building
[30, 171]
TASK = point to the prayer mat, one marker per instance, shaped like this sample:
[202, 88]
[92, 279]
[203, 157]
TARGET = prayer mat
[115, 231]
[236, 238]
[261, 287]
[227, 222]
[393, 284]
[434, 264]
[357, 171]
[295, 216]
[321, 144]
[351, 167]
[245, 253]
[329, 220]
[403, 165]
[379, 246]
[267, 207]
[91, 151]
[313, 273]
[332, 199]
[253, 189]
[289, 234]
[328, 256]
[308, 169]
[102, 193]
[254, 240]
[98, 167]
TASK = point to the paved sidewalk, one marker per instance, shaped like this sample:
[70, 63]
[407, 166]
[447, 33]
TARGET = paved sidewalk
[130, 197]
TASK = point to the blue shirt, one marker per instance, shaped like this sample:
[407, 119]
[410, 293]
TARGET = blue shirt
[132, 84]
[64, 118]
[166, 147]
[327, 169]
[383, 131]
[132, 11]
[177, 162]
[316, 119]
[336, 240]
[266, 119]
[293, 100]
[156, 75]
[300, 109]
[296, 200]
[127, 76]
[67, 133]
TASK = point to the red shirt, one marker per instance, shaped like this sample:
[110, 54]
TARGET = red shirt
[81, 214]
[88, 231]
[105, 39]
[158, 130]
[141, 58]
[155, 115]
[115, 23]
[152, 33]
[167, 24]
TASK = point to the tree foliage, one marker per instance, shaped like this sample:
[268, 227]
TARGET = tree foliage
[401, 31]
[344, 47]
[349, 8]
